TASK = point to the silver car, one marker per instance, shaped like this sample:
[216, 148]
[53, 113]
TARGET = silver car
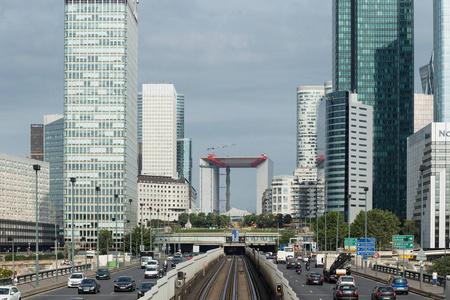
[75, 279]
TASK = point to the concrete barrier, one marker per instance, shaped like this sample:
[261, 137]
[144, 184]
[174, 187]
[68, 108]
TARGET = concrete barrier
[171, 287]
[271, 274]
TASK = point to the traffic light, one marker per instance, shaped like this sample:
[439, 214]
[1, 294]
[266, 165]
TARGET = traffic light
[279, 288]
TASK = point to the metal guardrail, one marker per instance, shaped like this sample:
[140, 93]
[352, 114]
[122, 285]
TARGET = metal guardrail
[44, 274]
[427, 278]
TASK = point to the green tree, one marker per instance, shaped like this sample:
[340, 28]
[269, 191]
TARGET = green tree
[5, 273]
[287, 219]
[381, 225]
[409, 227]
[438, 265]
[105, 237]
[331, 231]
[288, 234]
[184, 217]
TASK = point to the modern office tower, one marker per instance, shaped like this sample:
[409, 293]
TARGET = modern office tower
[423, 111]
[441, 46]
[37, 142]
[429, 147]
[267, 202]
[159, 130]
[184, 159]
[22, 186]
[373, 56]
[427, 76]
[139, 106]
[54, 155]
[100, 118]
[345, 146]
[171, 196]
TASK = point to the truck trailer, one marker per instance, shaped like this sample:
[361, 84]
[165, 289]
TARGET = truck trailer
[336, 265]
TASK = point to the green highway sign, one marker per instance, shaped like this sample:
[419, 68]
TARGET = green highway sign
[403, 245]
[353, 241]
[402, 238]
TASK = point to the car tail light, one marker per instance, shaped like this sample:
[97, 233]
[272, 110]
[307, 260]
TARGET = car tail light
[407, 284]
[378, 293]
[340, 292]
[321, 278]
[392, 284]
[356, 292]
[393, 293]
[309, 277]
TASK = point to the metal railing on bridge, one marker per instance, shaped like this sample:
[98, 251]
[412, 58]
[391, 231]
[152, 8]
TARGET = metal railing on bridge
[427, 278]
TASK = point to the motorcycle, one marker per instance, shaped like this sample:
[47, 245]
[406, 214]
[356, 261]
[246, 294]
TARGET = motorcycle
[298, 269]
[307, 267]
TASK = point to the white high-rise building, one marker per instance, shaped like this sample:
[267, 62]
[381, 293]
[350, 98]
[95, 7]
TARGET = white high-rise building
[159, 130]
[423, 110]
[100, 117]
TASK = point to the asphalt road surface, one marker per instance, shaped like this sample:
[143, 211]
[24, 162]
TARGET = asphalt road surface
[106, 290]
[325, 291]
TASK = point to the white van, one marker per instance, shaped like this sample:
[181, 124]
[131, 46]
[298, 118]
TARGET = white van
[144, 260]
[320, 258]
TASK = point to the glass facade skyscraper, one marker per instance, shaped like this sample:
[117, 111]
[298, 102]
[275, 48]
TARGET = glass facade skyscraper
[373, 55]
[441, 80]
[100, 116]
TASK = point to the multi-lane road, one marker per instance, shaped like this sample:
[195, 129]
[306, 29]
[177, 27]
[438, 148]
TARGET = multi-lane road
[325, 291]
[106, 290]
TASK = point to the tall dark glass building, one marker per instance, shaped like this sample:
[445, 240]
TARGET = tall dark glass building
[373, 56]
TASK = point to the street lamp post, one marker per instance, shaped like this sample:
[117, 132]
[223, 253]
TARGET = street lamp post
[83, 239]
[151, 246]
[97, 190]
[37, 168]
[129, 222]
[421, 169]
[157, 234]
[142, 236]
[365, 235]
[348, 220]
[325, 213]
[11, 239]
[179, 234]
[116, 198]
[337, 231]
[72, 180]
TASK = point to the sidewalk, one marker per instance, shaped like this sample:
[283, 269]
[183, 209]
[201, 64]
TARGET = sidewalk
[427, 289]
[29, 289]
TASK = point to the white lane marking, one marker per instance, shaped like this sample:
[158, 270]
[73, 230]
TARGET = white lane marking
[310, 291]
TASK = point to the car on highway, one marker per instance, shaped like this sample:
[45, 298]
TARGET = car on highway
[185, 254]
[178, 254]
[314, 278]
[152, 263]
[144, 260]
[170, 257]
[124, 283]
[176, 261]
[291, 263]
[382, 292]
[305, 258]
[344, 279]
[89, 285]
[151, 272]
[144, 288]
[9, 293]
[75, 279]
[102, 274]
[400, 285]
[345, 291]
[190, 255]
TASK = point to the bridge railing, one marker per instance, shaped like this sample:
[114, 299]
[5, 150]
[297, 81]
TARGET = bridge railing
[43, 274]
[271, 273]
[414, 275]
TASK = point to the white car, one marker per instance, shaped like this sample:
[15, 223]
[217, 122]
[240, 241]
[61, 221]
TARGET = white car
[144, 261]
[151, 272]
[9, 293]
[152, 263]
[75, 279]
[170, 257]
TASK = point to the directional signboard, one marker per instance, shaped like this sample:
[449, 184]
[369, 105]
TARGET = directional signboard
[365, 247]
[353, 241]
[403, 245]
[402, 238]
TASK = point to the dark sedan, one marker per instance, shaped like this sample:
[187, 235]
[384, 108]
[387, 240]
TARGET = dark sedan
[102, 274]
[381, 292]
[314, 278]
[291, 263]
[124, 283]
[176, 261]
[89, 285]
[345, 291]
[144, 288]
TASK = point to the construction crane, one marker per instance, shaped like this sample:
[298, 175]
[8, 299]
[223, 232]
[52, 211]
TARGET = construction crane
[220, 147]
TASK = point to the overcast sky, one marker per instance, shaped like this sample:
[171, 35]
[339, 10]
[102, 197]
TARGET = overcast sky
[238, 63]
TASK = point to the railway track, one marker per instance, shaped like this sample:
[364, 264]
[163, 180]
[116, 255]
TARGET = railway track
[232, 280]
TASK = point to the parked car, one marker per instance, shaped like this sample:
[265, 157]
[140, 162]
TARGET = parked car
[176, 261]
[291, 263]
[124, 283]
[144, 288]
[400, 285]
[314, 278]
[382, 292]
[344, 279]
[75, 279]
[345, 291]
[151, 272]
[89, 285]
[102, 274]
[9, 293]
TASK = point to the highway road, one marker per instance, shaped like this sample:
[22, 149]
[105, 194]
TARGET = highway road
[317, 292]
[106, 290]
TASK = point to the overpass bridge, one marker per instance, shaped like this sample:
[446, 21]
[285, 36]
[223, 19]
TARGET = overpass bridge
[264, 241]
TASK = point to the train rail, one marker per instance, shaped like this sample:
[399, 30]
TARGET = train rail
[232, 280]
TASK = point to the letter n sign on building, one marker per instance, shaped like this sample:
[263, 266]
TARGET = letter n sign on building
[235, 236]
